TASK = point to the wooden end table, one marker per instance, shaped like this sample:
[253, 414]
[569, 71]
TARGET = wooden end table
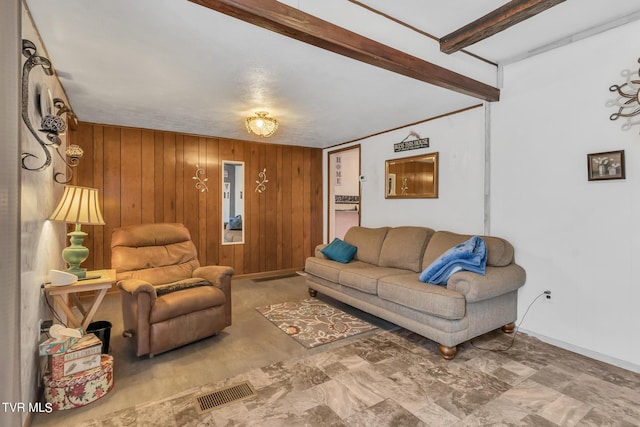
[62, 294]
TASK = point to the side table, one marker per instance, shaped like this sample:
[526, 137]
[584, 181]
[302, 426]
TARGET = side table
[62, 294]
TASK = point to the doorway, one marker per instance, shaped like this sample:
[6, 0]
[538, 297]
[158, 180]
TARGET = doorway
[344, 191]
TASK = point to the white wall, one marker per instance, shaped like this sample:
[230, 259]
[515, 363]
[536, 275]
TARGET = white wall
[459, 140]
[10, 209]
[41, 240]
[573, 237]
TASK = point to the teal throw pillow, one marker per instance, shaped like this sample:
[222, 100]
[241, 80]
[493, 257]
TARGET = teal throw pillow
[340, 251]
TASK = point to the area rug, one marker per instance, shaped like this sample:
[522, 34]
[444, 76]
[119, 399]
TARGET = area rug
[311, 322]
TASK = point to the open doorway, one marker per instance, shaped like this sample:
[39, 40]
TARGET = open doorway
[344, 191]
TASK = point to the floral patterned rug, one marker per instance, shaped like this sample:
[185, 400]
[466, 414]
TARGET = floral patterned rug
[311, 322]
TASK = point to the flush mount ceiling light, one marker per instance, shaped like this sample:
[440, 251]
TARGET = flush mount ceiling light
[261, 125]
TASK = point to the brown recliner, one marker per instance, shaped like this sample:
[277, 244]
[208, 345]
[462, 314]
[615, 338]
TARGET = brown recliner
[168, 300]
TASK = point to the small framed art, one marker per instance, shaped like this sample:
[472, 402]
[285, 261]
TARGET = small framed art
[607, 165]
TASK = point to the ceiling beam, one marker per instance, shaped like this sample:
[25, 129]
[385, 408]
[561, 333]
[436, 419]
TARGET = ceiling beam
[294, 23]
[493, 22]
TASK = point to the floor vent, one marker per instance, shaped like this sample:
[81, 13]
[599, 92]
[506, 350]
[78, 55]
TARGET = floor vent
[223, 397]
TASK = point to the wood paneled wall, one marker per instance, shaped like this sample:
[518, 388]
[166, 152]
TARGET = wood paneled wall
[146, 176]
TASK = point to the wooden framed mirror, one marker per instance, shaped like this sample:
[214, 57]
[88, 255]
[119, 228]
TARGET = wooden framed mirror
[412, 177]
[233, 221]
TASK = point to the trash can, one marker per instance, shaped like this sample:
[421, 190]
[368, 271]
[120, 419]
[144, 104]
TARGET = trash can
[102, 329]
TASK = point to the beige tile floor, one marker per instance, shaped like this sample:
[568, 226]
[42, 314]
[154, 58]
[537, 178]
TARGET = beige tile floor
[386, 377]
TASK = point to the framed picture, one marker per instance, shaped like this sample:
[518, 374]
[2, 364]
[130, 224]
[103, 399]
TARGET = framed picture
[607, 165]
[414, 177]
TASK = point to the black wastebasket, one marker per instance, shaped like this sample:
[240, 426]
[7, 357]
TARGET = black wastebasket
[102, 329]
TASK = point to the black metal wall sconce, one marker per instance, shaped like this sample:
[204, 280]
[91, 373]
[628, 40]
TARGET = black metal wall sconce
[627, 100]
[52, 124]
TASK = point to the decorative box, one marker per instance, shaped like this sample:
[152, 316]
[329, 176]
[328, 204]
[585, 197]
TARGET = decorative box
[83, 355]
[80, 389]
[61, 340]
[56, 345]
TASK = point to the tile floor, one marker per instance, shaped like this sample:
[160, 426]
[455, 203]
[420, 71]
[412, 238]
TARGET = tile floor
[389, 377]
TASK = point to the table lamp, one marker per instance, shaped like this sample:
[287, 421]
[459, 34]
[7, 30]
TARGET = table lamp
[79, 205]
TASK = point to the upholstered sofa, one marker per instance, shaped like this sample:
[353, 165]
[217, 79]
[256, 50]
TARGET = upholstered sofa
[383, 279]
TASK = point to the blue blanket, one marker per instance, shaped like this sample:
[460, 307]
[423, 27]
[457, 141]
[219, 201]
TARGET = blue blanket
[470, 255]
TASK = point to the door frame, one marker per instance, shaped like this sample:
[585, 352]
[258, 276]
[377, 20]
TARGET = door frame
[331, 184]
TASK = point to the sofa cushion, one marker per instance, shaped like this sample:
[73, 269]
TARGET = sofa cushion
[328, 269]
[407, 290]
[339, 250]
[366, 279]
[499, 251]
[403, 247]
[368, 241]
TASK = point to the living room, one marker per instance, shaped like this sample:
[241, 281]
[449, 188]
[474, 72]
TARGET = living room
[515, 168]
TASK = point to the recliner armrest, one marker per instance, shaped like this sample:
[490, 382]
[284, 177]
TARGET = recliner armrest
[216, 274]
[136, 286]
[220, 277]
[496, 281]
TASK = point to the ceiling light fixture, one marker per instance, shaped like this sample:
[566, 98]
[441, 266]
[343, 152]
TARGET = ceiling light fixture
[261, 125]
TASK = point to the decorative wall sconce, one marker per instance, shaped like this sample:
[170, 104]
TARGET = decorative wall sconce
[628, 99]
[201, 184]
[405, 186]
[64, 109]
[262, 179]
[52, 124]
[261, 125]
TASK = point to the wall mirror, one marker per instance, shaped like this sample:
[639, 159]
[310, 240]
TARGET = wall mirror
[412, 177]
[233, 221]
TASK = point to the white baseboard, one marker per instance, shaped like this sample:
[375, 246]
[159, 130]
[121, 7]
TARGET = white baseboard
[585, 352]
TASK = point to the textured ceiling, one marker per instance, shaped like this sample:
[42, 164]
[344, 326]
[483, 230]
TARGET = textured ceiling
[174, 65]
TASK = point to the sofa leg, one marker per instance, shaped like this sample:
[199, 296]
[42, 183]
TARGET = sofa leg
[509, 328]
[447, 353]
[313, 292]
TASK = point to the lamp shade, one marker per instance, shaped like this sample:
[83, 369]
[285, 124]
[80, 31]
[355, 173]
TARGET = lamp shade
[79, 205]
[261, 125]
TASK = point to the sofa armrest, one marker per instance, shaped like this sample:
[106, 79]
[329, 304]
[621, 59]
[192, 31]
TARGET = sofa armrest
[137, 286]
[319, 254]
[496, 281]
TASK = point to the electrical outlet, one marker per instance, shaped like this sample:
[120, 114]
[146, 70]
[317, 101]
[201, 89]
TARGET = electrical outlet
[547, 295]
[45, 325]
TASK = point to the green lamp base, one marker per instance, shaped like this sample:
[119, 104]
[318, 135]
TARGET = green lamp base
[80, 272]
[75, 253]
